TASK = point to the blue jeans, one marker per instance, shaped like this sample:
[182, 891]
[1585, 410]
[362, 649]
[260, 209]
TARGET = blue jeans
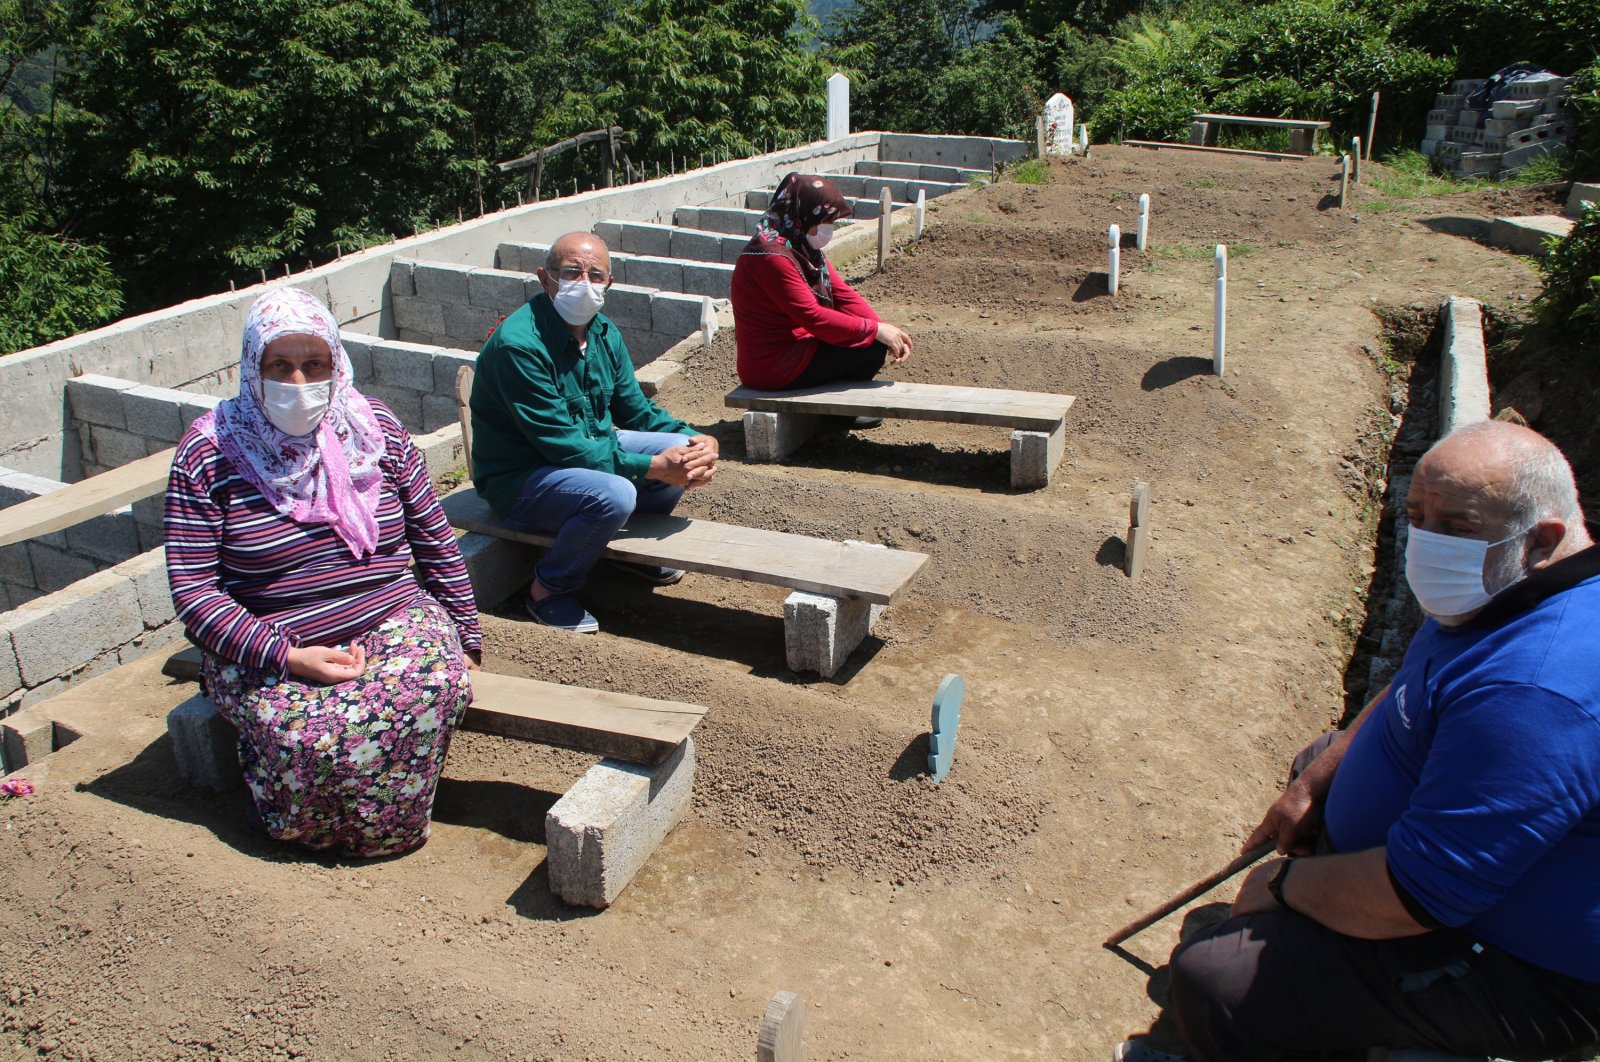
[583, 508]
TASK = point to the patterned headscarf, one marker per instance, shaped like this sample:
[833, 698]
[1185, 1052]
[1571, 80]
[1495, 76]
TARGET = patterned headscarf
[328, 477]
[801, 201]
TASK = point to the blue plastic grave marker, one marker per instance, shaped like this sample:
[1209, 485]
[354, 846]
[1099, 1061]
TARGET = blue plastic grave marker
[946, 717]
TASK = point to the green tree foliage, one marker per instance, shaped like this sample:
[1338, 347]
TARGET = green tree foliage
[213, 138]
[1571, 296]
[1481, 36]
[1287, 58]
[930, 66]
[50, 287]
[713, 77]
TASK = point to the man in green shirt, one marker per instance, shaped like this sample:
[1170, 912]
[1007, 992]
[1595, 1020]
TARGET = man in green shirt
[565, 442]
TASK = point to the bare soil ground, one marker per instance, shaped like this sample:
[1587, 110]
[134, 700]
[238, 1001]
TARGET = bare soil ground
[1117, 742]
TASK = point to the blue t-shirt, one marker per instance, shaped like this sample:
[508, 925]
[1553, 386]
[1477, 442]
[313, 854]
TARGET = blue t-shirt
[1480, 769]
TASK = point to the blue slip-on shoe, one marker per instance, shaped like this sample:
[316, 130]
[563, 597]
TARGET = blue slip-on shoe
[564, 612]
[654, 574]
[1141, 1051]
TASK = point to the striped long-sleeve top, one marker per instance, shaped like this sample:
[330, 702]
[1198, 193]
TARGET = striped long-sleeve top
[250, 583]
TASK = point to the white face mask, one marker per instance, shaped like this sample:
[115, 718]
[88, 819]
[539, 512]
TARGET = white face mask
[820, 238]
[1446, 572]
[295, 409]
[577, 301]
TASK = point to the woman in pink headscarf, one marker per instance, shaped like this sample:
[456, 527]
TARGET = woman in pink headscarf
[310, 560]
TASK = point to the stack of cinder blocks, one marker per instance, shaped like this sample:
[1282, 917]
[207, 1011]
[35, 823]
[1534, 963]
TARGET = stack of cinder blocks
[1529, 123]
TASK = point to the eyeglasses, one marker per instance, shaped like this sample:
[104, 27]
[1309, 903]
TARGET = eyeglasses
[572, 272]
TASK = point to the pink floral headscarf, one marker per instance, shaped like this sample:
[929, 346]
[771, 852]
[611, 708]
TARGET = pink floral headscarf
[328, 477]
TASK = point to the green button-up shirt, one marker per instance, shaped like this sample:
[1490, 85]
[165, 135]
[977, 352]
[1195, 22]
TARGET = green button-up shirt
[537, 400]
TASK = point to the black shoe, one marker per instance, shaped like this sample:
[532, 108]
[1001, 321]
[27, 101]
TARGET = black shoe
[654, 574]
[844, 423]
[866, 422]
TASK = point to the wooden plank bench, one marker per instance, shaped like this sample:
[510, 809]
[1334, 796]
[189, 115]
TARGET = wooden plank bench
[1303, 133]
[840, 587]
[85, 499]
[599, 834]
[779, 421]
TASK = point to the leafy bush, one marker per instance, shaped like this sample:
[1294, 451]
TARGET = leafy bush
[1571, 296]
[1583, 96]
[49, 287]
[1481, 36]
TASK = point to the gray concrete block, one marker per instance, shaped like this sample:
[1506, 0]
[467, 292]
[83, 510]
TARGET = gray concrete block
[15, 565]
[1464, 367]
[55, 569]
[603, 831]
[519, 257]
[10, 673]
[707, 278]
[446, 364]
[96, 399]
[610, 233]
[648, 271]
[497, 567]
[21, 486]
[153, 413]
[63, 631]
[499, 290]
[468, 326]
[1035, 455]
[641, 238]
[443, 283]
[696, 246]
[148, 573]
[820, 632]
[114, 447]
[402, 277]
[403, 403]
[28, 737]
[672, 314]
[442, 452]
[196, 406]
[205, 745]
[111, 538]
[414, 316]
[774, 436]
[358, 348]
[1580, 195]
[102, 663]
[628, 307]
[151, 641]
[438, 411]
[400, 364]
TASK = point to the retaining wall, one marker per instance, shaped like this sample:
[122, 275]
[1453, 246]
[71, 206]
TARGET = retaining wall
[458, 306]
[195, 345]
[43, 565]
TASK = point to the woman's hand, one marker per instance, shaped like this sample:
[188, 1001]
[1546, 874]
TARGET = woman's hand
[898, 340]
[327, 666]
[474, 659]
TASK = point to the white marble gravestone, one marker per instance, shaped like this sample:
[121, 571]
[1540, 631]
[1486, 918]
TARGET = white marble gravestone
[1058, 124]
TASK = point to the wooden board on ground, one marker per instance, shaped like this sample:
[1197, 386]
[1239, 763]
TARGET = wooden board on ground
[1270, 123]
[618, 725]
[1216, 150]
[1027, 410]
[86, 499]
[816, 565]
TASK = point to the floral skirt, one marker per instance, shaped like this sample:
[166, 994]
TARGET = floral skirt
[352, 766]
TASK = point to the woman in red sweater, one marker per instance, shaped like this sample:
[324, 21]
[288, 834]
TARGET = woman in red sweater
[796, 322]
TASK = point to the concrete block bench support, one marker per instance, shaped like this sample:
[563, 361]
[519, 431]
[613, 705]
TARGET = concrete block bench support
[598, 835]
[778, 422]
[604, 830]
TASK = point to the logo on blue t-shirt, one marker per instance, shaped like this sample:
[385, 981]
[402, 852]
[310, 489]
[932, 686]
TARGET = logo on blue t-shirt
[1400, 706]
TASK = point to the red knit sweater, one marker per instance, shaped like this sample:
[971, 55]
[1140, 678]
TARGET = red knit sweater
[778, 321]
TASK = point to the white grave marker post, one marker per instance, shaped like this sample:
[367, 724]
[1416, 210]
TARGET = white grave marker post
[1144, 220]
[1114, 259]
[1058, 124]
[922, 211]
[1372, 124]
[838, 106]
[1344, 177]
[708, 320]
[1083, 139]
[1038, 136]
[1219, 338]
[1355, 159]
[885, 224]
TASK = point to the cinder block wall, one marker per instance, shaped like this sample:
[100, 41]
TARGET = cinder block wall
[458, 306]
[48, 563]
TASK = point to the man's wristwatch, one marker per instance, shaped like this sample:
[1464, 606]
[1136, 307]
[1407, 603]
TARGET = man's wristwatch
[1275, 883]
